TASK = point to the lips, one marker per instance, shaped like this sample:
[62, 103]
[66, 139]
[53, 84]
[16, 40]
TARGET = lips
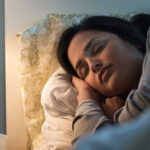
[104, 73]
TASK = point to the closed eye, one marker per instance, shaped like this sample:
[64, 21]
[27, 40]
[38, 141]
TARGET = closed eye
[98, 50]
[83, 71]
[93, 51]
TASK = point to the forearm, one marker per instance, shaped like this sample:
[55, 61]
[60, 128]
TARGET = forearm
[137, 102]
[89, 117]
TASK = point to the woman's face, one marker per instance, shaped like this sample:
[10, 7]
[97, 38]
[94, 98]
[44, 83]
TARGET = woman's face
[107, 63]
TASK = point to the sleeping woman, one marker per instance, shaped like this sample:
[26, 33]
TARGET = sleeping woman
[109, 61]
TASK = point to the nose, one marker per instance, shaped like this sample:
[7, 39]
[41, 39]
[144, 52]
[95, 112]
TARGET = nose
[95, 67]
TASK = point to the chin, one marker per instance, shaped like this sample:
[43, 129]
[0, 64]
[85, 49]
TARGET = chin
[108, 93]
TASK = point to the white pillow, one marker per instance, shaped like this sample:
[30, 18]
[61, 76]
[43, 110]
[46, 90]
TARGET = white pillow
[59, 102]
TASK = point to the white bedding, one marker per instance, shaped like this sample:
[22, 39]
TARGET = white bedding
[59, 102]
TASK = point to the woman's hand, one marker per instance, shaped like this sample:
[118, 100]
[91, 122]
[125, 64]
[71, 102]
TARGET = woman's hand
[111, 105]
[85, 91]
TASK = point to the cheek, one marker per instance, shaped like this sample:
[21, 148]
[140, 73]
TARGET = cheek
[108, 55]
[91, 81]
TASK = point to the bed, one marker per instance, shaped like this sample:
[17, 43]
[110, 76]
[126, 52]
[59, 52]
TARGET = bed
[47, 108]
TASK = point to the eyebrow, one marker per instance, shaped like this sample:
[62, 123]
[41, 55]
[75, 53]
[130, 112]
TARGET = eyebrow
[85, 49]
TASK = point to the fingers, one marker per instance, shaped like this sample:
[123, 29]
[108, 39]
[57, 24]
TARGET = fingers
[79, 84]
[75, 82]
[112, 105]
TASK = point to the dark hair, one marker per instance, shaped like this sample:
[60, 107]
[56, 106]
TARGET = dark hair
[126, 30]
[141, 21]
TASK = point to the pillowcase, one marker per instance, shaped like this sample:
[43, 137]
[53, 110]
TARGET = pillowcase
[37, 62]
[59, 100]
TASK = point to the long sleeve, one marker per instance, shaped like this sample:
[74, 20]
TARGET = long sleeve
[139, 99]
[134, 135]
[88, 118]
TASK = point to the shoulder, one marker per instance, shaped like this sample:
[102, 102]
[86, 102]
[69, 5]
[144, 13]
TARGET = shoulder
[148, 33]
[148, 40]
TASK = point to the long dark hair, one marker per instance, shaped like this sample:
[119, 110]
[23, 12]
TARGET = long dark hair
[126, 30]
